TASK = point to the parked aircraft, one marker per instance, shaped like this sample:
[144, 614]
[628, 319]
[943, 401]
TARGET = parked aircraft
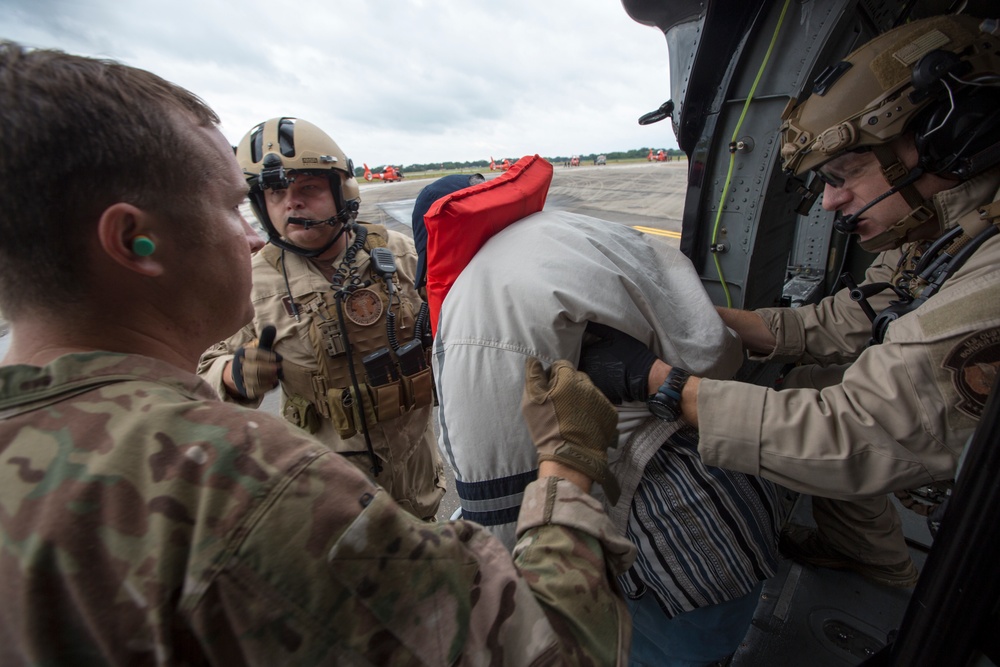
[388, 174]
[504, 166]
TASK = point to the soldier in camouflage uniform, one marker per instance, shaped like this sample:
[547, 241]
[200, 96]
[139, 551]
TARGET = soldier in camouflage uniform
[145, 521]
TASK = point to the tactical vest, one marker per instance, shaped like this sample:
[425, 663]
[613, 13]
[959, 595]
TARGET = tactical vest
[925, 267]
[920, 273]
[346, 326]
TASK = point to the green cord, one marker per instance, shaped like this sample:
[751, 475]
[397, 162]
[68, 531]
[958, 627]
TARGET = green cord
[732, 152]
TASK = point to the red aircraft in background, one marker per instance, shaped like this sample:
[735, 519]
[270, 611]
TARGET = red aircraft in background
[661, 156]
[504, 166]
[389, 174]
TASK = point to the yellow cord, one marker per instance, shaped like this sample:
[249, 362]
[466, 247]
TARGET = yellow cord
[732, 152]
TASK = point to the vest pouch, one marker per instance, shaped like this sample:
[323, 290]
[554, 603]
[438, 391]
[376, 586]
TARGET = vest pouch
[354, 407]
[417, 392]
[302, 413]
[341, 415]
[387, 400]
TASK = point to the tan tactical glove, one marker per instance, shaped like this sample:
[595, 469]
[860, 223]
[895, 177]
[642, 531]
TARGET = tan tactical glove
[256, 368]
[570, 421]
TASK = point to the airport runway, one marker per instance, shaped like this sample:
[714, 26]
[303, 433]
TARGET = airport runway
[647, 195]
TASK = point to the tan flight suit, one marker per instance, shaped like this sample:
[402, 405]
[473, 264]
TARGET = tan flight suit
[900, 415]
[317, 389]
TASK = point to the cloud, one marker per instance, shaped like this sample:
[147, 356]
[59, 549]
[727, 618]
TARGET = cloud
[401, 81]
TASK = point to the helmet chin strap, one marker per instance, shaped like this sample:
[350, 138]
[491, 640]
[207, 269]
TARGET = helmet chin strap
[344, 220]
[901, 180]
[899, 232]
[345, 217]
[850, 223]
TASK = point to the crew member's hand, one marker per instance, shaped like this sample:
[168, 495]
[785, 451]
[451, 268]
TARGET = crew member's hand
[256, 368]
[617, 363]
[570, 421]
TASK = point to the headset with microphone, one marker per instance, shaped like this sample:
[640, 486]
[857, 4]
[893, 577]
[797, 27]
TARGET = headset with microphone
[847, 224]
[947, 97]
[274, 152]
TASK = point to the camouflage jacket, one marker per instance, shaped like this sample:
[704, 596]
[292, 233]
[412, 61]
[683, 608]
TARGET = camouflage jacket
[144, 521]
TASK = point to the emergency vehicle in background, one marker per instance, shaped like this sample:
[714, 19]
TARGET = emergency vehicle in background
[733, 66]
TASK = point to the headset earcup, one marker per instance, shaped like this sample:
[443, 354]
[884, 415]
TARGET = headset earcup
[947, 138]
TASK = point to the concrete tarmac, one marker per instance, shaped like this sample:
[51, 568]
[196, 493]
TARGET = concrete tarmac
[647, 195]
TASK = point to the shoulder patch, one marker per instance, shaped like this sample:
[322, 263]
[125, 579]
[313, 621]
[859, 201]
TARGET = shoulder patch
[974, 363]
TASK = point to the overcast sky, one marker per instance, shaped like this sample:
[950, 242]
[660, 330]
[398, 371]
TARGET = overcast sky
[392, 81]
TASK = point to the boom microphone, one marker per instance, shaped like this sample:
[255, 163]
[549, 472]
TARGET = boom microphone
[306, 223]
[850, 223]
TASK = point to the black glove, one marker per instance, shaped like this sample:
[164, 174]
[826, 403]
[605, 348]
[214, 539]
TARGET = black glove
[617, 363]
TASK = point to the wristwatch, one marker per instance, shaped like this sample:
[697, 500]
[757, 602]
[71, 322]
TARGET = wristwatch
[666, 402]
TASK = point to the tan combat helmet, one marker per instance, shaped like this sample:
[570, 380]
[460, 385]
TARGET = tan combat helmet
[875, 94]
[937, 79]
[273, 151]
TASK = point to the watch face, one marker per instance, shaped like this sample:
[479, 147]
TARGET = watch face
[666, 402]
[661, 410]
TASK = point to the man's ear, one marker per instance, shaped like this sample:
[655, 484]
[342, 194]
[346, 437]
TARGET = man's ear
[126, 234]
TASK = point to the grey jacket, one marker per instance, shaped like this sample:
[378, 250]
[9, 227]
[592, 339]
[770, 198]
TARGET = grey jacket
[530, 291]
